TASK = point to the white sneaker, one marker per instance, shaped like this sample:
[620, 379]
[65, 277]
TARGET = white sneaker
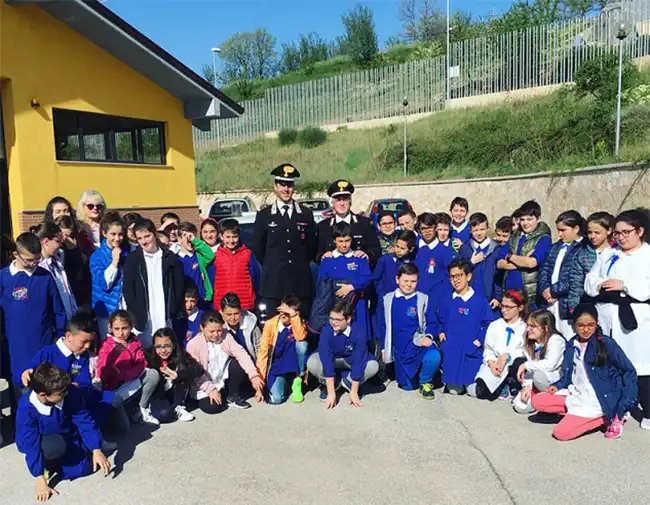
[645, 424]
[147, 417]
[182, 414]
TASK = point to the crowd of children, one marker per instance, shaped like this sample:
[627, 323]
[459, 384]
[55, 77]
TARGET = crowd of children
[110, 320]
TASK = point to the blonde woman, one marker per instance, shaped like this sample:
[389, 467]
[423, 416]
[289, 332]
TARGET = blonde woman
[90, 211]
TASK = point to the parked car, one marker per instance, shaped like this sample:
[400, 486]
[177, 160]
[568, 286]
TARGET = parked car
[246, 222]
[320, 207]
[232, 207]
[394, 205]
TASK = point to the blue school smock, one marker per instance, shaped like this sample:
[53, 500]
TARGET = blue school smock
[462, 232]
[484, 272]
[192, 271]
[34, 315]
[383, 276]
[70, 420]
[78, 366]
[350, 345]
[500, 253]
[433, 262]
[357, 272]
[285, 357]
[463, 320]
[183, 325]
[401, 318]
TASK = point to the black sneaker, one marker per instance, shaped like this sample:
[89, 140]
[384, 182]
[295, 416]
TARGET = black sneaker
[238, 402]
[323, 394]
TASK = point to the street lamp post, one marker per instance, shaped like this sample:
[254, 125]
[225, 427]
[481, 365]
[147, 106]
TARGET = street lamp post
[405, 103]
[623, 32]
[448, 57]
[215, 51]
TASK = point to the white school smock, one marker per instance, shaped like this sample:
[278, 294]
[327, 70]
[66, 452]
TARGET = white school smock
[634, 270]
[581, 396]
[550, 364]
[499, 341]
[217, 368]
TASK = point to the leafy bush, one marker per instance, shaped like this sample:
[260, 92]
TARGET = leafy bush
[287, 136]
[312, 137]
[638, 96]
[599, 77]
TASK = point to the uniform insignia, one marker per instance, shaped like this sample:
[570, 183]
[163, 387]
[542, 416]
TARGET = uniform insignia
[411, 312]
[76, 369]
[19, 293]
[432, 266]
[463, 311]
[342, 185]
[288, 169]
[352, 266]
[272, 224]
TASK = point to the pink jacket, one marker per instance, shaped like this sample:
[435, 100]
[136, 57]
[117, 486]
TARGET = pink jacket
[198, 349]
[117, 364]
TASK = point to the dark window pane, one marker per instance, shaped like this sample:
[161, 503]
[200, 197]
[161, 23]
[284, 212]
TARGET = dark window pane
[68, 147]
[151, 148]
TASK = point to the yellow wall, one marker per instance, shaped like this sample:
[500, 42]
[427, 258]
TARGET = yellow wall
[42, 58]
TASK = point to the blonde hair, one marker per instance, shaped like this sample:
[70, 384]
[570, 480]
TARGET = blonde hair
[89, 196]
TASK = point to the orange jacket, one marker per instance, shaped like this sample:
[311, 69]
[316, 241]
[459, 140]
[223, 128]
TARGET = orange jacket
[269, 338]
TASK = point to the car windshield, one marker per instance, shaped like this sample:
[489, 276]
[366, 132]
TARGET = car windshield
[316, 204]
[394, 206]
[228, 208]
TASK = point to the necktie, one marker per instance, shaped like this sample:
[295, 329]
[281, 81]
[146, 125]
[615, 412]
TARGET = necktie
[613, 260]
[285, 211]
[510, 333]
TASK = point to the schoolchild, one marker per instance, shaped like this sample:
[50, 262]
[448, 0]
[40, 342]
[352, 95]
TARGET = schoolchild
[188, 323]
[460, 232]
[195, 255]
[75, 262]
[241, 324]
[387, 231]
[385, 271]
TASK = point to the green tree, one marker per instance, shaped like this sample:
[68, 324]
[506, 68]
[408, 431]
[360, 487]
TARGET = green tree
[360, 39]
[421, 21]
[310, 49]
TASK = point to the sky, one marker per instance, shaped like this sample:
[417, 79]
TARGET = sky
[188, 29]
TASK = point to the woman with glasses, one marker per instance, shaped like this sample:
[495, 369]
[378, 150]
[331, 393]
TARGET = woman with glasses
[90, 211]
[620, 284]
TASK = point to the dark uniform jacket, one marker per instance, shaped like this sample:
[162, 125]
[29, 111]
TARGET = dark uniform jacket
[364, 237]
[284, 246]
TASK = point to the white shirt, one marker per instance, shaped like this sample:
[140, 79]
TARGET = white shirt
[460, 227]
[346, 219]
[156, 294]
[280, 205]
[582, 400]
[465, 297]
[217, 364]
[43, 409]
[55, 266]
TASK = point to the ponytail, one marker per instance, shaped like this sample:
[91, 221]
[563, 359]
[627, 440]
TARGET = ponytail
[601, 350]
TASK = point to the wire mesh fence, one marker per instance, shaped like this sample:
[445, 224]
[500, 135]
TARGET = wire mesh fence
[537, 56]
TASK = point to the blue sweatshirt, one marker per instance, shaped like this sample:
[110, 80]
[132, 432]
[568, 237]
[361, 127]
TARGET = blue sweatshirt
[70, 420]
[33, 312]
[351, 345]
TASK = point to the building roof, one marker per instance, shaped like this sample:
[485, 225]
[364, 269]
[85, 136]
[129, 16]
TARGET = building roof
[109, 31]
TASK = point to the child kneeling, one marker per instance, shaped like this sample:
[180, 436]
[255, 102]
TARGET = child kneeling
[342, 354]
[598, 386]
[283, 351]
[55, 432]
[176, 371]
[406, 326]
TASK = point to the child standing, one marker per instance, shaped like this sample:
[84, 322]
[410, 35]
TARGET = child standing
[503, 351]
[502, 232]
[75, 262]
[106, 266]
[33, 314]
[283, 352]
[54, 430]
[122, 367]
[241, 324]
[544, 351]
[342, 357]
[387, 234]
[529, 246]
[169, 223]
[210, 233]
[598, 384]
[460, 233]
[188, 324]
[463, 318]
[214, 349]
[620, 283]
[426, 227]
[482, 252]
[600, 226]
[195, 255]
[406, 328]
[406, 220]
[386, 269]
[176, 370]
[237, 270]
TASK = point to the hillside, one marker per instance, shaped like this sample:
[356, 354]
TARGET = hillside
[556, 132]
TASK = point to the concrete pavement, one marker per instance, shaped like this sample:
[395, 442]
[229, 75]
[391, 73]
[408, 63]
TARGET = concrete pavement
[398, 449]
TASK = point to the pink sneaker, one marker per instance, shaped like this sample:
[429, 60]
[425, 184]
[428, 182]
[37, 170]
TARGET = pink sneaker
[615, 428]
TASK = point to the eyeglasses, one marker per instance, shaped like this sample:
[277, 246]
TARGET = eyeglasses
[337, 319]
[623, 233]
[586, 326]
[93, 206]
[29, 262]
[508, 307]
[163, 347]
[387, 223]
[457, 277]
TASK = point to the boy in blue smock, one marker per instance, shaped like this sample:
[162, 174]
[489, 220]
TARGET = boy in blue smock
[460, 231]
[482, 252]
[406, 328]
[353, 269]
[463, 318]
[528, 247]
[195, 256]
[342, 358]
[385, 271]
[188, 323]
[34, 315]
[55, 432]
[433, 260]
[502, 232]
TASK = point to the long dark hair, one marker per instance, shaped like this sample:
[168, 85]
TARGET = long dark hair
[572, 219]
[172, 361]
[47, 215]
[590, 309]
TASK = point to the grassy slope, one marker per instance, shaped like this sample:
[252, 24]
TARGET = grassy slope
[544, 134]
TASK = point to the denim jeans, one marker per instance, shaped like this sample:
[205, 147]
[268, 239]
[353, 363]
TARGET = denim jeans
[278, 392]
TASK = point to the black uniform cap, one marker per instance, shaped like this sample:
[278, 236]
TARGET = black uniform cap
[285, 173]
[340, 187]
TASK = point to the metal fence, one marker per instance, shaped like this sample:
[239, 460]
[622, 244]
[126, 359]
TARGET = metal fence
[538, 56]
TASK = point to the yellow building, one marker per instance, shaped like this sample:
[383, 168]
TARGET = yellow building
[88, 102]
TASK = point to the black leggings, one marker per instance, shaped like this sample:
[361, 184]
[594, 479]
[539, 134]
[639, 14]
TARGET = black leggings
[162, 406]
[511, 382]
[644, 395]
[237, 378]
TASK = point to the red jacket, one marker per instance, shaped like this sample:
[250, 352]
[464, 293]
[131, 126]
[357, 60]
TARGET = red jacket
[233, 276]
[117, 364]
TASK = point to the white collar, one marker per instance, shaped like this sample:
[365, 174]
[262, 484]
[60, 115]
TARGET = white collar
[482, 245]
[193, 315]
[13, 270]
[346, 219]
[279, 204]
[460, 227]
[157, 254]
[64, 349]
[337, 254]
[436, 242]
[346, 332]
[281, 327]
[184, 254]
[43, 409]
[466, 296]
[399, 294]
[422, 243]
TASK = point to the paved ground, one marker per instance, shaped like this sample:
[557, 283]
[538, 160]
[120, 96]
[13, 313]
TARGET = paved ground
[398, 449]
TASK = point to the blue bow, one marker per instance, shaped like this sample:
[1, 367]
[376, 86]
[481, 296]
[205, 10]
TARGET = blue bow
[510, 332]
